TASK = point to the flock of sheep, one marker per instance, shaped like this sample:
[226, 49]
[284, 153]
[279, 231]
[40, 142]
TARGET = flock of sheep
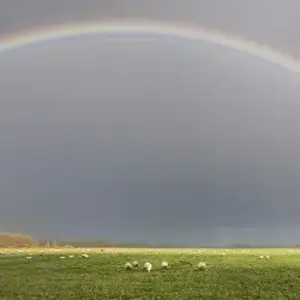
[128, 266]
[84, 255]
[147, 266]
[202, 266]
[164, 265]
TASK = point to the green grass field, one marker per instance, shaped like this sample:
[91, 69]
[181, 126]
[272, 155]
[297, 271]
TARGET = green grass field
[239, 274]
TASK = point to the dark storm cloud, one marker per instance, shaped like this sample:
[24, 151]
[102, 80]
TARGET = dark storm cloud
[160, 140]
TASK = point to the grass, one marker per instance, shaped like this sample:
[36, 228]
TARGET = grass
[240, 274]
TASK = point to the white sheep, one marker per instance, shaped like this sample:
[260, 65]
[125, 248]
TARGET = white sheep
[28, 257]
[84, 255]
[261, 257]
[62, 257]
[135, 263]
[71, 256]
[128, 266]
[164, 265]
[148, 266]
[202, 266]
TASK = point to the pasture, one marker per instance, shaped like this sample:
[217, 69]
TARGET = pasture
[232, 274]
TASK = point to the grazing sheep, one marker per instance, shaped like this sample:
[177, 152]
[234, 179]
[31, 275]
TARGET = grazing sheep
[164, 265]
[202, 266]
[267, 257]
[28, 257]
[135, 263]
[148, 266]
[128, 266]
[71, 256]
[84, 255]
[62, 257]
[261, 257]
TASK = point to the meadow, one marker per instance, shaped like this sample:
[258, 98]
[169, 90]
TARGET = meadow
[232, 274]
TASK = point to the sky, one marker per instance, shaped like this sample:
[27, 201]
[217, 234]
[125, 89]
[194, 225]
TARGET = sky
[157, 139]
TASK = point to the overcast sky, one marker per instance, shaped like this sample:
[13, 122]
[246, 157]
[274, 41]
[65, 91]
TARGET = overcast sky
[158, 139]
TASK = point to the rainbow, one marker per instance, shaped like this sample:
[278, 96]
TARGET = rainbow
[191, 32]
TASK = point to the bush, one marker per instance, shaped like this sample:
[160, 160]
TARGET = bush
[16, 240]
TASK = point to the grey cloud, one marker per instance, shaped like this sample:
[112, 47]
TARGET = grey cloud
[272, 22]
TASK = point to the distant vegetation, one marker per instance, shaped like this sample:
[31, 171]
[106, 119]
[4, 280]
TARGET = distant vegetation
[17, 240]
[23, 240]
